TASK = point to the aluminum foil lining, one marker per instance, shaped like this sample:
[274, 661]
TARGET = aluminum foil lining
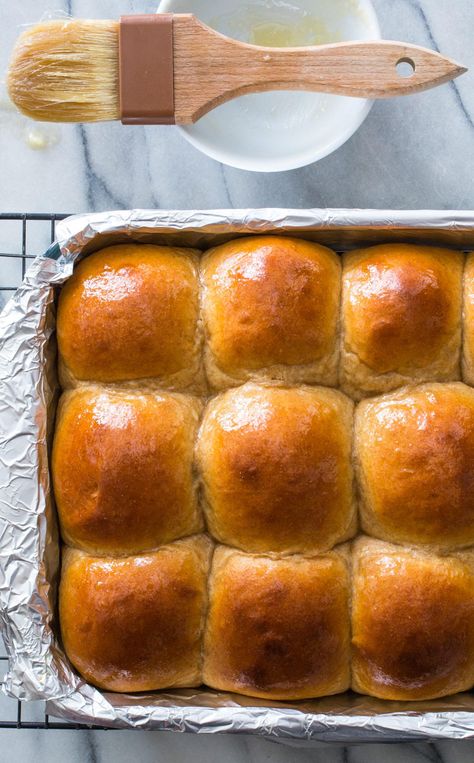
[38, 668]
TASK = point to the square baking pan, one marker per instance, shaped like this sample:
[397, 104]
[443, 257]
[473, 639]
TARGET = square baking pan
[29, 544]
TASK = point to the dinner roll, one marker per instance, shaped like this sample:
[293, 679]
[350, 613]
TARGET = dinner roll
[412, 622]
[415, 460]
[468, 321]
[122, 469]
[130, 312]
[135, 623]
[270, 307]
[276, 468]
[278, 628]
[401, 317]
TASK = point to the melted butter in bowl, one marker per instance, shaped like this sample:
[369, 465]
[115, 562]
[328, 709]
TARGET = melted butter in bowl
[277, 35]
[280, 24]
[280, 130]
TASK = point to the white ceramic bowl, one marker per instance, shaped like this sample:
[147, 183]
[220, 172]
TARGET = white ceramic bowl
[271, 132]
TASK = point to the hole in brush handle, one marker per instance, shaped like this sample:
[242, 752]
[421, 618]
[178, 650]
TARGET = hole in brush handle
[405, 67]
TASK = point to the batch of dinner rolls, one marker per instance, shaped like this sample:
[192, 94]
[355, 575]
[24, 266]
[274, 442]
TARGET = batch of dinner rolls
[263, 467]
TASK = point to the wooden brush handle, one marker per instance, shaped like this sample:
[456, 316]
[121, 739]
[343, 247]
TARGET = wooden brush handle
[210, 69]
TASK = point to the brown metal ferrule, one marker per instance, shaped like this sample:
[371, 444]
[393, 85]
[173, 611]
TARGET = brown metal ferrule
[146, 69]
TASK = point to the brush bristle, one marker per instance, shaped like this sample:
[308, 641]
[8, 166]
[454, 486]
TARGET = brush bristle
[67, 71]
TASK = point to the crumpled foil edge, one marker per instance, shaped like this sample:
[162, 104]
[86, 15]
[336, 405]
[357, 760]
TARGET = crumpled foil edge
[29, 550]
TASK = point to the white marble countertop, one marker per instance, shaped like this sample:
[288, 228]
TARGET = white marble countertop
[414, 152]
[410, 153]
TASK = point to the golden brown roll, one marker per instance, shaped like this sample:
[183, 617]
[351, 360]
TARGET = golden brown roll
[130, 312]
[276, 468]
[135, 623]
[415, 462]
[278, 628]
[412, 622]
[122, 469]
[401, 317]
[468, 321]
[270, 307]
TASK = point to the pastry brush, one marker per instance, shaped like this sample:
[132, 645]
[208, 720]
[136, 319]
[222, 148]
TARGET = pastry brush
[172, 69]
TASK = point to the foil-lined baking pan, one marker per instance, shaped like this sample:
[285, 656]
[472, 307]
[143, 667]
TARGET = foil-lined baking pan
[29, 545]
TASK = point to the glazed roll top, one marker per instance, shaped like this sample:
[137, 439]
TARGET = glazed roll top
[412, 622]
[270, 309]
[130, 312]
[278, 628]
[135, 624]
[123, 469]
[401, 317]
[276, 468]
[415, 457]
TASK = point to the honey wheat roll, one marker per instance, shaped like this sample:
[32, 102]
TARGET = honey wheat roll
[415, 464]
[412, 621]
[129, 313]
[270, 309]
[275, 464]
[135, 623]
[401, 317]
[122, 467]
[278, 628]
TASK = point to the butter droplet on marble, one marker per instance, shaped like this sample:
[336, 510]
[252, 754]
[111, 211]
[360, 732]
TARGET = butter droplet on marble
[36, 141]
[40, 139]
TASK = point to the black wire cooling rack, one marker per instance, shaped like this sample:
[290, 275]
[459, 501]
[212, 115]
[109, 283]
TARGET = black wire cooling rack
[22, 237]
